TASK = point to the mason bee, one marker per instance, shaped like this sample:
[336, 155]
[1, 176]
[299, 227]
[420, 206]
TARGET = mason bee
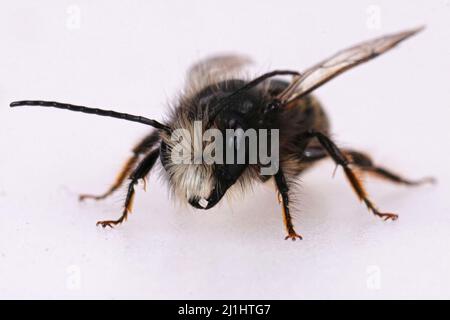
[216, 97]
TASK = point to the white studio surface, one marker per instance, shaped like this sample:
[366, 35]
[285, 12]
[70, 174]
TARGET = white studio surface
[132, 57]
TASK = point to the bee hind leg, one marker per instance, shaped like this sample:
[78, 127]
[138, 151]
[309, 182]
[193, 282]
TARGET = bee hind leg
[364, 163]
[140, 172]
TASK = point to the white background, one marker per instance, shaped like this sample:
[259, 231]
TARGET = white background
[132, 56]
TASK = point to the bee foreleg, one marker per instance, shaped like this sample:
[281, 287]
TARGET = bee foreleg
[140, 172]
[283, 189]
[146, 144]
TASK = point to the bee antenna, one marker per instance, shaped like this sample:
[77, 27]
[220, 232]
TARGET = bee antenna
[221, 105]
[99, 112]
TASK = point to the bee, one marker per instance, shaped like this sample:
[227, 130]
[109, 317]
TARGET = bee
[219, 99]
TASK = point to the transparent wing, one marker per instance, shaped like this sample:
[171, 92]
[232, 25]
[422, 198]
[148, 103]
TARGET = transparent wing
[344, 60]
[215, 68]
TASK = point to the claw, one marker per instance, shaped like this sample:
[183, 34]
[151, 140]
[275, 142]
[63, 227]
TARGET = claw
[83, 197]
[293, 236]
[430, 180]
[387, 216]
[108, 223]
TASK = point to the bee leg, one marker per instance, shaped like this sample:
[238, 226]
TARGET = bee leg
[146, 144]
[140, 172]
[283, 189]
[117, 183]
[340, 159]
[365, 164]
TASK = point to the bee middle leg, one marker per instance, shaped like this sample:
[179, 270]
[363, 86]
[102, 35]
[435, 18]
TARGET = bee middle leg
[283, 189]
[140, 172]
[146, 144]
[342, 160]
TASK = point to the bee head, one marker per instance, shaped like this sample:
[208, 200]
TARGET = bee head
[197, 160]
